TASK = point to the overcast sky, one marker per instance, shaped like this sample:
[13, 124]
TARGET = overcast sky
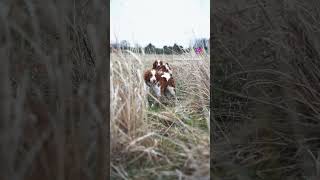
[161, 22]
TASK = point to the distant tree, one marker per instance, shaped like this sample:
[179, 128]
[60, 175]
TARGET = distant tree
[124, 45]
[181, 49]
[138, 48]
[177, 49]
[149, 49]
[170, 49]
[201, 43]
[166, 50]
[205, 43]
[159, 50]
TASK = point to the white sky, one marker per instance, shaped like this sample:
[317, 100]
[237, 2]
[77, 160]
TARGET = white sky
[161, 22]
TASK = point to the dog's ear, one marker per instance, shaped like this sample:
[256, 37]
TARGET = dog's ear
[154, 66]
[146, 75]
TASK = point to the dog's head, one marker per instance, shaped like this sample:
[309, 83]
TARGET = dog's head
[157, 65]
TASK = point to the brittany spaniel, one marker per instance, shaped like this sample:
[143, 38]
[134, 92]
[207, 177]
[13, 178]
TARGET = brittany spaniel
[160, 79]
[151, 78]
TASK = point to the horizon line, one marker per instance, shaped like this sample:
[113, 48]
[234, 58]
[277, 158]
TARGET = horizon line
[177, 43]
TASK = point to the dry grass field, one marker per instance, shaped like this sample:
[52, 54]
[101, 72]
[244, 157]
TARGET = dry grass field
[165, 142]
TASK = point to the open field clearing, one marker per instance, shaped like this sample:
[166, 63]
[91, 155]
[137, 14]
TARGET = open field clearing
[165, 142]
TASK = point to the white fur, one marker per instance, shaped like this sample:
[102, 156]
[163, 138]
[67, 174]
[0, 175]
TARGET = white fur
[157, 90]
[146, 87]
[171, 90]
[166, 75]
[153, 77]
[167, 67]
[158, 62]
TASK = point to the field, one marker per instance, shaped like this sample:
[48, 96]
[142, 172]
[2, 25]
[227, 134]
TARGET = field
[166, 142]
[55, 101]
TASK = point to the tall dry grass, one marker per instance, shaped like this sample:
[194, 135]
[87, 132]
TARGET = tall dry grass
[266, 90]
[54, 76]
[165, 142]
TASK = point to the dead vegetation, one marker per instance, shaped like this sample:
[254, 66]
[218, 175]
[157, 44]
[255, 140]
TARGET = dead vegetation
[266, 90]
[54, 76]
[165, 142]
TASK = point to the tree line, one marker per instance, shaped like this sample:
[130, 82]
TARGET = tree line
[151, 49]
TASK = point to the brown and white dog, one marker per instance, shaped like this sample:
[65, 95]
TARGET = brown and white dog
[167, 68]
[167, 84]
[151, 79]
[160, 79]
[162, 67]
